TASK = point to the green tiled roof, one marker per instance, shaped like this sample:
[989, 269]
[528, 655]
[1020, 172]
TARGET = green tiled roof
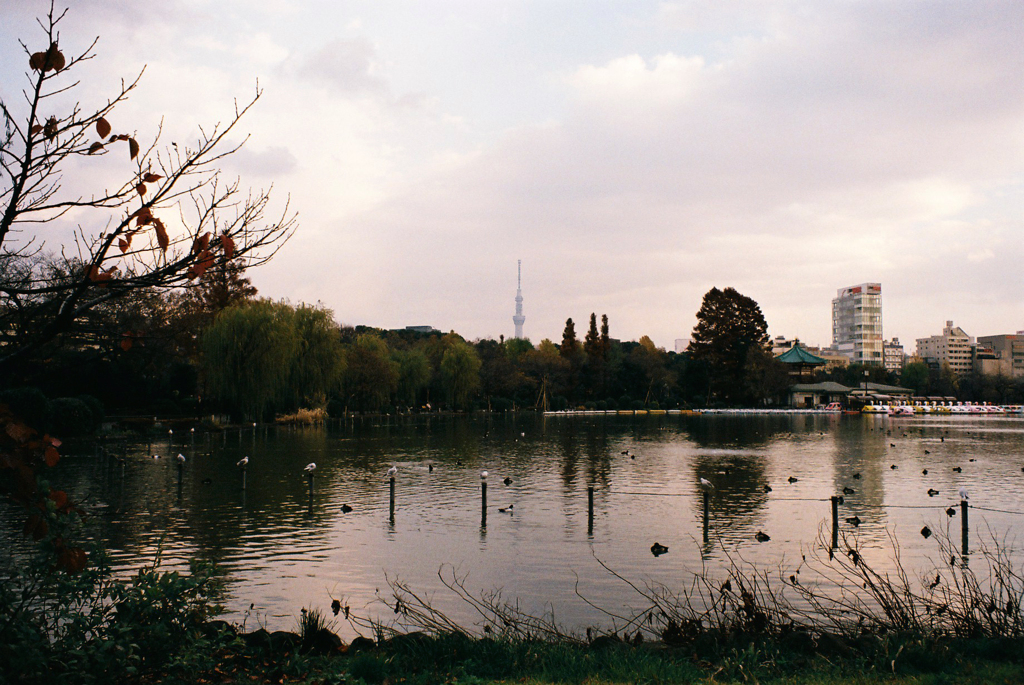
[798, 355]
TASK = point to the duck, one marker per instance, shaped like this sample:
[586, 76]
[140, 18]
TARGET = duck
[848, 491]
[507, 510]
[927, 452]
[657, 549]
[761, 536]
[926, 532]
[924, 472]
[932, 492]
[345, 508]
[856, 476]
[430, 468]
[958, 469]
[767, 488]
[792, 479]
[854, 521]
[951, 512]
[507, 481]
[893, 467]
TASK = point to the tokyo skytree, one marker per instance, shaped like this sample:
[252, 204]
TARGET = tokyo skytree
[519, 319]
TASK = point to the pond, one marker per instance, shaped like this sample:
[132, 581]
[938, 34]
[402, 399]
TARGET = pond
[279, 551]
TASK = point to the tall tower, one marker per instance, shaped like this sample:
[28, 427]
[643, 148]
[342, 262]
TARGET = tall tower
[519, 319]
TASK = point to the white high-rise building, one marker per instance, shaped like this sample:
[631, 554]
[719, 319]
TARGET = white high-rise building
[857, 323]
[519, 319]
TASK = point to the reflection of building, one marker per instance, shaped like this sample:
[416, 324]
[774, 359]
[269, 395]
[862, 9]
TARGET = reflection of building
[953, 347]
[1008, 351]
[519, 319]
[857, 323]
[892, 355]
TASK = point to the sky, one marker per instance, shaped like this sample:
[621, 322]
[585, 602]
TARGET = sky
[632, 154]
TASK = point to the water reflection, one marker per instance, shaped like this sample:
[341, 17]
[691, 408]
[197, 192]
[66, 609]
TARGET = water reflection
[277, 550]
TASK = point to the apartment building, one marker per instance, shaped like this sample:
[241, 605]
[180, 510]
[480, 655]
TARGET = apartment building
[1009, 352]
[953, 347]
[857, 323]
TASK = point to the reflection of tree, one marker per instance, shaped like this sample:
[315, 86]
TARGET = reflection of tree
[747, 430]
[739, 497]
[860, 447]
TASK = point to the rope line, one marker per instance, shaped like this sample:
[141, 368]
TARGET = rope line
[1001, 511]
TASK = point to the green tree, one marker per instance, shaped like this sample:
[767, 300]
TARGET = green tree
[915, 376]
[728, 325]
[319, 362]
[570, 343]
[247, 356]
[459, 372]
[766, 377]
[371, 375]
[414, 374]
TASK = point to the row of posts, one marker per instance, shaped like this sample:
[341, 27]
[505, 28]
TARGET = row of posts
[964, 519]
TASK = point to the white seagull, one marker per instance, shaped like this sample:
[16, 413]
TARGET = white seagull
[392, 472]
[310, 468]
[706, 484]
[243, 462]
[181, 458]
[963, 492]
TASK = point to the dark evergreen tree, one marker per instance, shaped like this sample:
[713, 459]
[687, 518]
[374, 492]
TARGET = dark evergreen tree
[728, 326]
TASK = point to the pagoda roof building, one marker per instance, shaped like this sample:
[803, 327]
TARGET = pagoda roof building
[800, 362]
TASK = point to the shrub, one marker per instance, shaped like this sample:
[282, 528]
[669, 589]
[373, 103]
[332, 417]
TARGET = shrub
[29, 403]
[70, 416]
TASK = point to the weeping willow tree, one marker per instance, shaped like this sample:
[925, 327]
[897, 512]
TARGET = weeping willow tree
[269, 354]
[460, 371]
[246, 356]
[318, 365]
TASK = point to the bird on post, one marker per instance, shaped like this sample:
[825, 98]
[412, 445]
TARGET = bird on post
[243, 462]
[963, 493]
[181, 458]
[310, 468]
[706, 485]
[392, 472]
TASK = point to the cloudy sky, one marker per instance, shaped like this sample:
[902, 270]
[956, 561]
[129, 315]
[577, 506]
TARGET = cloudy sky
[632, 154]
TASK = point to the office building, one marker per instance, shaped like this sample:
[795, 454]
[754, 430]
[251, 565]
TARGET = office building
[1009, 351]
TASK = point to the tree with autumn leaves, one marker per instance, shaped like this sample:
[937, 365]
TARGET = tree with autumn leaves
[169, 219]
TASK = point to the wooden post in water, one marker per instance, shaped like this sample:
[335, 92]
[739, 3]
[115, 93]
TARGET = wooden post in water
[483, 499]
[963, 529]
[170, 440]
[181, 470]
[835, 522]
[391, 506]
[590, 510]
[310, 476]
[192, 440]
[707, 510]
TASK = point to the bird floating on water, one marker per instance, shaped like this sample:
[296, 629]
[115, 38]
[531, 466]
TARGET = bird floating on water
[657, 549]
[761, 536]
[951, 512]
[507, 481]
[932, 492]
[506, 510]
[767, 488]
[848, 491]
[924, 472]
[792, 479]
[926, 532]
[345, 508]
[854, 521]
[958, 469]
[856, 476]
[430, 468]
[243, 462]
